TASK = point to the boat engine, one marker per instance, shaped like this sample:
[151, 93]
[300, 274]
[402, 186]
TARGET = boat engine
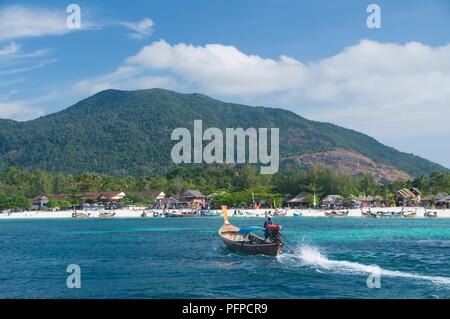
[274, 231]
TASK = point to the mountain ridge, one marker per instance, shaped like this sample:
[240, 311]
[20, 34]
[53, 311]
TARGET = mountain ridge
[128, 132]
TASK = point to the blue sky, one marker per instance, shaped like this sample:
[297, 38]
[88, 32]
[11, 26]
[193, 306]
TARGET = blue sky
[316, 58]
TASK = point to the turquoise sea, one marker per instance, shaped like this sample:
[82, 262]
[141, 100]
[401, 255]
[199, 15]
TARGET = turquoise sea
[184, 258]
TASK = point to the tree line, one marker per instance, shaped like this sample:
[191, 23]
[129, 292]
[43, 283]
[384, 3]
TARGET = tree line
[231, 185]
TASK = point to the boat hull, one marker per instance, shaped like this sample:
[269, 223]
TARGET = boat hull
[242, 246]
[106, 215]
[273, 249]
[336, 214]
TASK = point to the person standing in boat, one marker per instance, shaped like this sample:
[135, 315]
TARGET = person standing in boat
[266, 230]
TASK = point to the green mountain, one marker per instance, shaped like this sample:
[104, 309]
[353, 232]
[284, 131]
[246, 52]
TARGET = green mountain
[128, 132]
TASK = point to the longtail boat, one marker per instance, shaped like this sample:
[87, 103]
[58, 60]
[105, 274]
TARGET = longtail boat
[106, 215]
[244, 240]
[409, 214]
[429, 214]
[368, 214]
[80, 215]
[336, 214]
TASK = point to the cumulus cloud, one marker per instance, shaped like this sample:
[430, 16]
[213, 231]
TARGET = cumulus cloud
[221, 69]
[383, 89]
[18, 110]
[142, 29]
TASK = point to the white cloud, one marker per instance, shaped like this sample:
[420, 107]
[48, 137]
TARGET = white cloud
[19, 21]
[220, 69]
[142, 29]
[27, 68]
[18, 110]
[8, 50]
[381, 89]
[126, 77]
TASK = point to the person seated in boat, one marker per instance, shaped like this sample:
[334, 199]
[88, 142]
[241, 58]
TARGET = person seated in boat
[267, 233]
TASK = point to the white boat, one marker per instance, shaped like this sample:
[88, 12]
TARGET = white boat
[261, 212]
[180, 213]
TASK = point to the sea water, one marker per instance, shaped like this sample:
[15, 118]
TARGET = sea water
[184, 258]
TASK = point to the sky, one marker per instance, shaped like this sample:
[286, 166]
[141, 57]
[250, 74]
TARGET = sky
[316, 58]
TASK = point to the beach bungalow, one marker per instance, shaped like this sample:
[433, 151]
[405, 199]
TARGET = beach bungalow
[299, 201]
[39, 202]
[156, 195]
[105, 199]
[333, 202]
[408, 197]
[192, 198]
[167, 203]
[443, 203]
[431, 201]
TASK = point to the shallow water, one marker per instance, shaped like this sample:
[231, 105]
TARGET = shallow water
[184, 258]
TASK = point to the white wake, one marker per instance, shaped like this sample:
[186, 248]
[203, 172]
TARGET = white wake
[312, 256]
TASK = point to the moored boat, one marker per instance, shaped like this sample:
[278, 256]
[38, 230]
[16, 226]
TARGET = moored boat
[368, 214]
[106, 215]
[244, 240]
[80, 215]
[432, 214]
[336, 213]
[409, 214]
[180, 213]
[208, 212]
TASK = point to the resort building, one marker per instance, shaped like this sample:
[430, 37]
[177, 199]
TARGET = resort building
[192, 198]
[333, 202]
[104, 197]
[299, 201]
[437, 201]
[154, 194]
[408, 197]
[41, 202]
[167, 203]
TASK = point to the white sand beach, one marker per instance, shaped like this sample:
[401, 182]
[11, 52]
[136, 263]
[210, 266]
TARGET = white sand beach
[137, 212]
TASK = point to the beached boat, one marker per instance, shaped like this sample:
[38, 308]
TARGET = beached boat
[368, 214]
[80, 215]
[106, 215]
[244, 240]
[180, 213]
[208, 212]
[409, 214]
[384, 214]
[339, 213]
[428, 214]
[260, 212]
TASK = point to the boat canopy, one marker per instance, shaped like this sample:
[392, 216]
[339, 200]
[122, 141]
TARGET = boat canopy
[247, 230]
